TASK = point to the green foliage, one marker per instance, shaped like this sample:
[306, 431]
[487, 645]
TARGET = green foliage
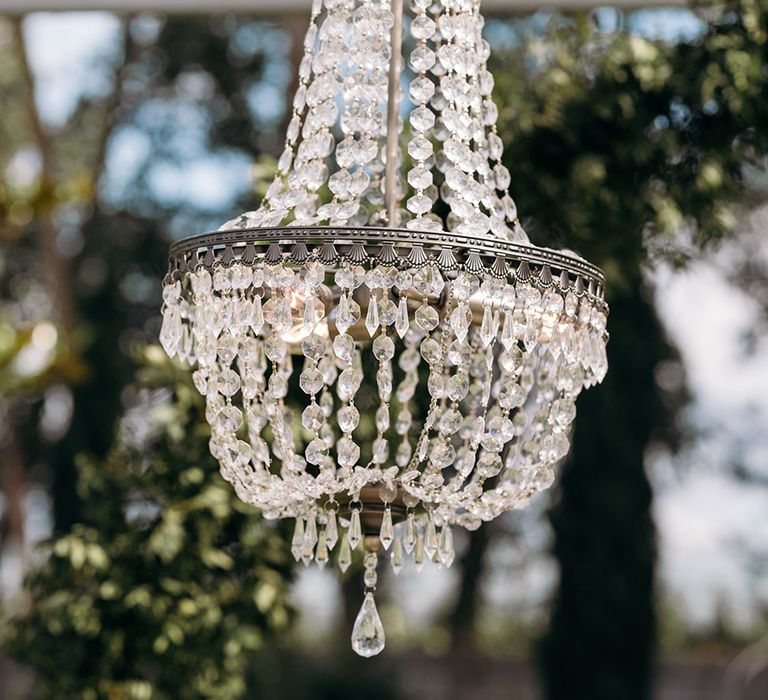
[621, 142]
[621, 147]
[169, 582]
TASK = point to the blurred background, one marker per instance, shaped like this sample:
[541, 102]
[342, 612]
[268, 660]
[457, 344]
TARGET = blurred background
[635, 134]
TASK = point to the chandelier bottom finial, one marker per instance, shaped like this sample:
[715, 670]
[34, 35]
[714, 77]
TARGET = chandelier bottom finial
[368, 636]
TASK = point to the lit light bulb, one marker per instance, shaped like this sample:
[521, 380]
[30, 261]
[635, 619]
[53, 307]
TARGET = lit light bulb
[307, 322]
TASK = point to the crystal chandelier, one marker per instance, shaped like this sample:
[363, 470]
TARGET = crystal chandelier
[383, 354]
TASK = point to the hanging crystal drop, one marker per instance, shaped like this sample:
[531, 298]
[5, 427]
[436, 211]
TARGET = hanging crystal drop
[321, 553]
[430, 541]
[343, 322]
[345, 554]
[257, 315]
[487, 330]
[447, 552]
[409, 541]
[307, 555]
[331, 531]
[297, 542]
[507, 332]
[461, 317]
[310, 540]
[368, 632]
[418, 552]
[310, 533]
[386, 534]
[309, 320]
[396, 557]
[283, 320]
[495, 324]
[354, 534]
[372, 317]
[402, 323]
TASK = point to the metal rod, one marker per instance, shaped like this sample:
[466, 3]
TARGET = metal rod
[393, 112]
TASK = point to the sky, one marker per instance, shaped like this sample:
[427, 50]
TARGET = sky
[700, 510]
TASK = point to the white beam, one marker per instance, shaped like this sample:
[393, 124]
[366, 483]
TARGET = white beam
[281, 7]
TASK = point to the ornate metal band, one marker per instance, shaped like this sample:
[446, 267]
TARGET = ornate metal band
[331, 245]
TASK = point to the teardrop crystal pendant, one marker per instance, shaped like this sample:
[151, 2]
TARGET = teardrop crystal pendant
[368, 633]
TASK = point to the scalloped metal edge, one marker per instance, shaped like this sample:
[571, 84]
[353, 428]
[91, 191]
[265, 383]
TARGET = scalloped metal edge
[396, 247]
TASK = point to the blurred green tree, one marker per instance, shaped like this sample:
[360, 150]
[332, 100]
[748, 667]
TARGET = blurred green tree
[85, 234]
[168, 583]
[627, 150]
[138, 596]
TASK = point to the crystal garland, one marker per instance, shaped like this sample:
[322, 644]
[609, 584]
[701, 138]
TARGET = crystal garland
[465, 362]
[346, 55]
[502, 394]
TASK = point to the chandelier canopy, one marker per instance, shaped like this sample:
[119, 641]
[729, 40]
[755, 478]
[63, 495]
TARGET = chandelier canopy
[383, 354]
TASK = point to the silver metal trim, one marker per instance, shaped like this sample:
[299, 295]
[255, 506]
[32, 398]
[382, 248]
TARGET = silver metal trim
[345, 237]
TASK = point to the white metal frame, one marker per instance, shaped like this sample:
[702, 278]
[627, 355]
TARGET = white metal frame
[281, 7]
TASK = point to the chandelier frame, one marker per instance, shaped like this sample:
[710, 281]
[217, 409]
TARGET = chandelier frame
[543, 267]
[499, 334]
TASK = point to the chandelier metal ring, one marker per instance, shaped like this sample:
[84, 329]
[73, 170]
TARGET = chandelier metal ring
[229, 246]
